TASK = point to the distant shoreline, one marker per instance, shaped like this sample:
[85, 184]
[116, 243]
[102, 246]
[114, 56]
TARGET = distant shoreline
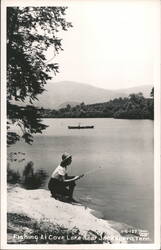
[95, 118]
[136, 106]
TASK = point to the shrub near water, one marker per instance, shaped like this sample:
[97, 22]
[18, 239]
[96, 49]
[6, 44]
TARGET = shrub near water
[33, 180]
[13, 176]
[29, 179]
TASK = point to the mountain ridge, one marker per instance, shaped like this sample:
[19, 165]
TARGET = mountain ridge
[64, 92]
[59, 94]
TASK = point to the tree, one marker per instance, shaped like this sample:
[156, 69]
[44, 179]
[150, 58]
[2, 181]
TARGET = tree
[30, 32]
[152, 93]
[68, 107]
[151, 103]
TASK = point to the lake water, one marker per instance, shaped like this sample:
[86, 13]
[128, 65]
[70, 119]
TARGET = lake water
[123, 187]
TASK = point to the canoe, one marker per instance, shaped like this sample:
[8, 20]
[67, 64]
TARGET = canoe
[80, 127]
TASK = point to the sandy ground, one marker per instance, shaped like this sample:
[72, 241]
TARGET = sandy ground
[38, 205]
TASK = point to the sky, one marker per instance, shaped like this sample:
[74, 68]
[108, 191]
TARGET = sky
[111, 45]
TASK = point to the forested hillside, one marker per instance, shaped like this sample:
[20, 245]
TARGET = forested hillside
[135, 106]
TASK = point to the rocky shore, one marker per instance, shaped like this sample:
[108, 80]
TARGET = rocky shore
[36, 218]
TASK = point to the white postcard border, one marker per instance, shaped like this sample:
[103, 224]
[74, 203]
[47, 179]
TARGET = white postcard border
[157, 145]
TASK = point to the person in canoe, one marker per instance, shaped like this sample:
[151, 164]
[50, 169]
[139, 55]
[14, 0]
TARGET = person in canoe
[60, 184]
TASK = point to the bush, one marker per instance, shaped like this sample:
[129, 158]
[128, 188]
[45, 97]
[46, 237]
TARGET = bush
[33, 180]
[45, 232]
[29, 179]
[13, 176]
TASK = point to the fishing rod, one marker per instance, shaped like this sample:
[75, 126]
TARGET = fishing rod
[86, 173]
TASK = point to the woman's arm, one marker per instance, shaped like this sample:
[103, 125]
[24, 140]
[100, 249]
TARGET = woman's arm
[74, 178]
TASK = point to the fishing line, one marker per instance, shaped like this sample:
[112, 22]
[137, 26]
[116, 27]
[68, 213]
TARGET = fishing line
[92, 171]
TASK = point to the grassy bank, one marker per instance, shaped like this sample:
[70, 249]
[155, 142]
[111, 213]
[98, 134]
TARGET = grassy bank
[36, 218]
[24, 230]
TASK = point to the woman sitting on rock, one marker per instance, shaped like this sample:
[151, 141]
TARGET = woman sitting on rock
[61, 185]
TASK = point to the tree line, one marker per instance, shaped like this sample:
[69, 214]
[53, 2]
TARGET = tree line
[135, 106]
